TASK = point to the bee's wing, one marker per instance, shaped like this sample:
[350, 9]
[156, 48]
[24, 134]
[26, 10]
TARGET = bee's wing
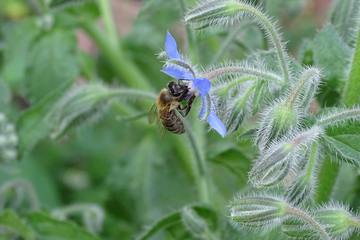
[153, 114]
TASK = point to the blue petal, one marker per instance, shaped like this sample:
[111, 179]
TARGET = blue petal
[203, 85]
[177, 72]
[216, 124]
[203, 108]
[171, 47]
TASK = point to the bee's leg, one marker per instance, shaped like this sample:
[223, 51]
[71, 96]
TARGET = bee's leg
[184, 94]
[188, 106]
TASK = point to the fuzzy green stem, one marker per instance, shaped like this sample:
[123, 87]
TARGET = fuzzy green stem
[242, 70]
[201, 166]
[123, 68]
[341, 116]
[273, 34]
[308, 219]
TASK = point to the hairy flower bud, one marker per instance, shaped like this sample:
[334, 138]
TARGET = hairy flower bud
[258, 211]
[277, 121]
[338, 221]
[274, 164]
[296, 229]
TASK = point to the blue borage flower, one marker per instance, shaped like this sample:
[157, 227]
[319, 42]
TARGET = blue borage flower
[177, 68]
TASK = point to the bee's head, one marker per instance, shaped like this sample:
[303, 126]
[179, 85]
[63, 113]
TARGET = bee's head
[177, 88]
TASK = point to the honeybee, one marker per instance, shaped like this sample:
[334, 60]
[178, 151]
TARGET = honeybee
[175, 98]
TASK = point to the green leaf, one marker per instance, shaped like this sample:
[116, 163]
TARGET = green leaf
[87, 102]
[52, 63]
[33, 124]
[326, 180]
[48, 228]
[344, 142]
[9, 219]
[346, 146]
[345, 18]
[18, 39]
[330, 53]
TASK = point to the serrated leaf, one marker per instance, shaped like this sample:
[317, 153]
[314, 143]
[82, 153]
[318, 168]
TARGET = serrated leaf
[346, 147]
[344, 141]
[9, 219]
[52, 63]
[49, 228]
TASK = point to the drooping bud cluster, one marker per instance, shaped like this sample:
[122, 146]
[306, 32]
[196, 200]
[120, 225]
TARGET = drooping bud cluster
[8, 140]
[275, 163]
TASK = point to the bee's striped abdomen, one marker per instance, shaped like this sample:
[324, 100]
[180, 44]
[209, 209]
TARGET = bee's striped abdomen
[171, 121]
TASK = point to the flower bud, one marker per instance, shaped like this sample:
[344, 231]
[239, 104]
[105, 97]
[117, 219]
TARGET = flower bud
[277, 122]
[296, 229]
[338, 221]
[258, 211]
[207, 14]
[276, 162]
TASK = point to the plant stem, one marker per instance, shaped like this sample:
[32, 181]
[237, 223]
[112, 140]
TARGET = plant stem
[272, 34]
[202, 176]
[189, 35]
[242, 69]
[308, 219]
[106, 13]
[201, 167]
[123, 68]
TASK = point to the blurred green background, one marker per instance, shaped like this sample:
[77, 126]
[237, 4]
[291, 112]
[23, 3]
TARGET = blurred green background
[124, 166]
